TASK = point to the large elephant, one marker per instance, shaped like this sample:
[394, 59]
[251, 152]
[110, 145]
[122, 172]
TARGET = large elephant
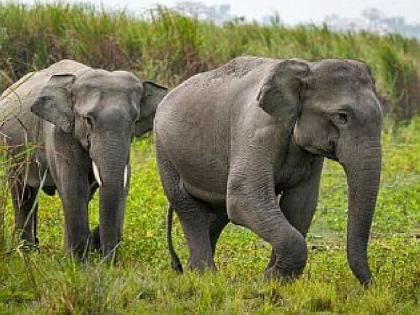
[78, 123]
[231, 141]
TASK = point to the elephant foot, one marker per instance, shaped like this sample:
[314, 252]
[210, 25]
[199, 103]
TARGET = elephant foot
[95, 240]
[78, 247]
[201, 266]
[284, 271]
[29, 246]
[29, 240]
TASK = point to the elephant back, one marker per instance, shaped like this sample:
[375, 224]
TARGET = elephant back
[18, 98]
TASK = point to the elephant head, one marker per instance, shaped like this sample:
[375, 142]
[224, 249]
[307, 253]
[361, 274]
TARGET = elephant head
[103, 111]
[333, 110]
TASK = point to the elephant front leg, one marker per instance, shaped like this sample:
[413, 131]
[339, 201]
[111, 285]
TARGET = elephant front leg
[252, 202]
[76, 227]
[26, 210]
[70, 169]
[298, 204]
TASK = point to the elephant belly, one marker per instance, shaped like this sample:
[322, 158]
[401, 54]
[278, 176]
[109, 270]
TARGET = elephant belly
[211, 197]
[204, 179]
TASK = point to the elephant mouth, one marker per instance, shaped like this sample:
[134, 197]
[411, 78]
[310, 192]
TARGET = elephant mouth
[330, 153]
[331, 157]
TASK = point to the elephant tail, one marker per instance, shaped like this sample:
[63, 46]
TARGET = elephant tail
[175, 262]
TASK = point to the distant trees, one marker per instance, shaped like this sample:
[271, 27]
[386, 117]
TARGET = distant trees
[196, 9]
[374, 20]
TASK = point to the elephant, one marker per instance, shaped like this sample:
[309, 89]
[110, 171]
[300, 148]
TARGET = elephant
[68, 128]
[245, 143]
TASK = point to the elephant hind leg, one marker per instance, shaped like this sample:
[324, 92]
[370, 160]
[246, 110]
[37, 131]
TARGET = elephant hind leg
[195, 221]
[26, 210]
[193, 214]
[218, 223]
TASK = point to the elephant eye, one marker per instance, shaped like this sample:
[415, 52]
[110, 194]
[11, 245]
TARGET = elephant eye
[343, 118]
[340, 118]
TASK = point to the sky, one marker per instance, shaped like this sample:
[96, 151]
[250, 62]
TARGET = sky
[291, 11]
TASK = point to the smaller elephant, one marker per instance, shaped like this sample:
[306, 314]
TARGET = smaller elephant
[79, 123]
[246, 142]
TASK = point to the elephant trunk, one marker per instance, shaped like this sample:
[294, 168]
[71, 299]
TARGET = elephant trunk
[112, 172]
[363, 167]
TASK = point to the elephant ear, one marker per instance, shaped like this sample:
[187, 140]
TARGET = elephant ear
[152, 96]
[54, 104]
[281, 90]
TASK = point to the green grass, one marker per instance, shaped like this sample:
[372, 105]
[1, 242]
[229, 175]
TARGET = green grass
[169, 48]
[141, 282]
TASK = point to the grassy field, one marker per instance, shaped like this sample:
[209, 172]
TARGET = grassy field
[169, 48]
[49, 282]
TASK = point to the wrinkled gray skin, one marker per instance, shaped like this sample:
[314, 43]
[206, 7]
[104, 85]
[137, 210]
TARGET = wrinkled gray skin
[76, 117]
[233, 141]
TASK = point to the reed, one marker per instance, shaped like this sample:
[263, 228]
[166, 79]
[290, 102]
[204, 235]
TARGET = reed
[168, 47]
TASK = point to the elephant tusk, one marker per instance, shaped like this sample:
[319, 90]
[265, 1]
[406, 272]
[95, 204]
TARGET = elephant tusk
[125, 176]
[96, 173]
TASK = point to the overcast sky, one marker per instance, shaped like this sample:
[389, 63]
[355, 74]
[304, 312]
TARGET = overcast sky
[291, 11]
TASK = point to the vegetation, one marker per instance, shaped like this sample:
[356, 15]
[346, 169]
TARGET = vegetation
[169, 48]
[142, 282]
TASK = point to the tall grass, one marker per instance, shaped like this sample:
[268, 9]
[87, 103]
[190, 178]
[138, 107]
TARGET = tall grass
[169, 47]
[3, 200]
